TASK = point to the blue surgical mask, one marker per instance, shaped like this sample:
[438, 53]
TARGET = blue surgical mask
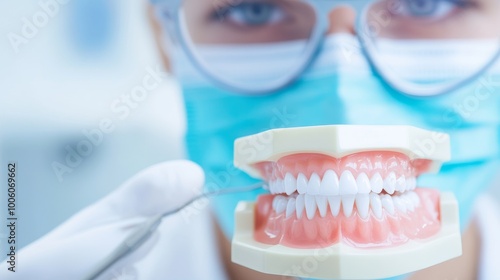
[339, 87]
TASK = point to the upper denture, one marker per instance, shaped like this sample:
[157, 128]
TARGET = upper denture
[359, 173]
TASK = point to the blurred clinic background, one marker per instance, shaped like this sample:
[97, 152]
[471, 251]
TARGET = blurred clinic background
[64, 69]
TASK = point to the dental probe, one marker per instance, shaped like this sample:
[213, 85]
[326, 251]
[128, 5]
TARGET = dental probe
[145, 231]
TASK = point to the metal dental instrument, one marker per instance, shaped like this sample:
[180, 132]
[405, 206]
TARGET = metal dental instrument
[145, 231]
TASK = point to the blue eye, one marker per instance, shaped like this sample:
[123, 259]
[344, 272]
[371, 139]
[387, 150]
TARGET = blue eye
[429, 9]
[254, 14]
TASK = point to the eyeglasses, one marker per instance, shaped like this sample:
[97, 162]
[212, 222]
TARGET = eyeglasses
[205, 27]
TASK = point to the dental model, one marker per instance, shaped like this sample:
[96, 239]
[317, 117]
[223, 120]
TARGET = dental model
[344, 202]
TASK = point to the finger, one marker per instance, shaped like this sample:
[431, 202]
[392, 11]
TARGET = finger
[158, 189]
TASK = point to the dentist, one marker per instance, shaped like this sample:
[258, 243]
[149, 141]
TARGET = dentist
[245, 66]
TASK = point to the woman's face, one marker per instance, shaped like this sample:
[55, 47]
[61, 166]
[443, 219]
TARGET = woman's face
[254, 25]
[214, 22]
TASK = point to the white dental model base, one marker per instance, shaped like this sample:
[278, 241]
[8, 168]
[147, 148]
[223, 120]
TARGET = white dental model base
[344, 203]
[341, 261]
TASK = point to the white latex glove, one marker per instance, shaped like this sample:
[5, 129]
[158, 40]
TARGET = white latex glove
[76, 247]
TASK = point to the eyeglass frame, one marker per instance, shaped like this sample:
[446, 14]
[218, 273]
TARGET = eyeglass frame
[168, 12]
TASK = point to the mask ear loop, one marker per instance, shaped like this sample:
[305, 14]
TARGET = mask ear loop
[146, 230]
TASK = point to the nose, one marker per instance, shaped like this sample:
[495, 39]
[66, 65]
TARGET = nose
[342, 20]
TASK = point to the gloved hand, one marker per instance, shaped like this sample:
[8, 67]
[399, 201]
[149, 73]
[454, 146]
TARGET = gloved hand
[76, 247]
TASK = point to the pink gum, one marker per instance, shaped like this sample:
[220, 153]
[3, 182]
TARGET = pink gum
[370, 163]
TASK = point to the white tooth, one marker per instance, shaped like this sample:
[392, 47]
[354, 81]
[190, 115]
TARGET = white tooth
[280, 186]
[290, 207]
[376, 205]
[363, 205]
[348, 204]
[407, 201]
[290, 184]
[387, 203]
[412, 183]
[281, 204]
[401, 184]
[322, 204]
[390, 183]
[301, 183]
[266, 186]
[313, 185]
[377, 183]
[272, 187]
[310, 206]
[413, 196]
[334, 202]
[299, 205]
[363, 184]
[399, 203]
[408, 183]
[347, 184]
[329, 184]
[275, 202]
